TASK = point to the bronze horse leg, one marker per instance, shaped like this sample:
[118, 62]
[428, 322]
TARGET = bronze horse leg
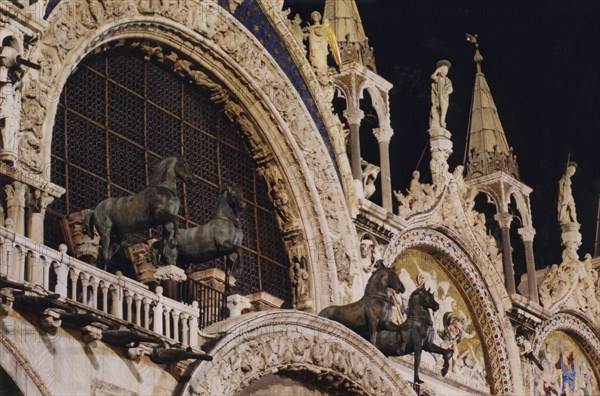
[446, 353]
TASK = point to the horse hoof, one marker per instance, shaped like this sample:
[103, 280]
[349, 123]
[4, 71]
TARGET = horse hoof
[444, 371]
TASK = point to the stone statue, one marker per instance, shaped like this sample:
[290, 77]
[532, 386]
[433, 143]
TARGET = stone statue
[370, 173]
[317, 44]
[367, 253]
[441, 88]
[300, 279]
[566, 204]
[297, 31]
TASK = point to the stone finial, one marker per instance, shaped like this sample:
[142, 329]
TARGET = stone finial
[170, 272]
[237, 304]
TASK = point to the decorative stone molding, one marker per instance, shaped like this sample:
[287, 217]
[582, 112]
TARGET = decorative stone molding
[487, 302]
[289, 343]
[263, 301]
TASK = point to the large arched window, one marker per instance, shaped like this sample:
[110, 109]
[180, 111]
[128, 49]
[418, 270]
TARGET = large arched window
[119, 114]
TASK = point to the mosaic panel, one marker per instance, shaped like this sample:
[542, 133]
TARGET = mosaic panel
[567, 371]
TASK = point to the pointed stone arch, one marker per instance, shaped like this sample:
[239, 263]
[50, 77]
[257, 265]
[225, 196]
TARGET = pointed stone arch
[256, 94]
[487, 304]
[293, 343]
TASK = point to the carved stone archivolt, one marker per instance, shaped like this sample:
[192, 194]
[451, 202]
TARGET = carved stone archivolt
[267, 107]
[486, 300]
[289, 343]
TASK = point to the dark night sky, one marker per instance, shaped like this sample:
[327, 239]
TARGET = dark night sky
[542, 62]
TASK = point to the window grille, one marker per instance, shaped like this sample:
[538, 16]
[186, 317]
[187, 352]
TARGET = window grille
[119, 115]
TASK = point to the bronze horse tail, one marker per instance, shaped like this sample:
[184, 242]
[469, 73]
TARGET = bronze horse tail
[89, 223]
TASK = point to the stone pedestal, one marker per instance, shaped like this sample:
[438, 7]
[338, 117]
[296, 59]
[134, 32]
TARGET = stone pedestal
[77, 239]
[441, 148]
[263, 301]
[169, 276]
[237, 304]
[212, 277]
[139, 254]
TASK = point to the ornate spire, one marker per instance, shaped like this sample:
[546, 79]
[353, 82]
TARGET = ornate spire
[488, 150]
[346, 23]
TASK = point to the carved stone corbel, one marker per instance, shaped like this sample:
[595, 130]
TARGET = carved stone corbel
[50, 321]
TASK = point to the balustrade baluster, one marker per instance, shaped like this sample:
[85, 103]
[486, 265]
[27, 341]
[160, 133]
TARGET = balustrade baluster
[167, 323]
[94, 295]
[146, 313]
[104, 297]
[128, 304]
[175, 334]
[138, 310]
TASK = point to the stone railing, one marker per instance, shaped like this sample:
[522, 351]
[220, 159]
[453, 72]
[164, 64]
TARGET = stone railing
[25, 261]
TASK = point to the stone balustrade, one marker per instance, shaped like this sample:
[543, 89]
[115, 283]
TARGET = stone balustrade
[24, 260]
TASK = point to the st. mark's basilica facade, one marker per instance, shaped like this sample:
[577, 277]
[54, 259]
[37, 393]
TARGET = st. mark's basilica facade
[97, 94]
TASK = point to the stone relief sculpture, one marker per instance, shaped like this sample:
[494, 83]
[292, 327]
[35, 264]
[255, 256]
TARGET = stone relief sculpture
[11, 71]
[419, 197]
[441, 88]
[370, 173]
[374, 310]
[567, 213]
[157, 204]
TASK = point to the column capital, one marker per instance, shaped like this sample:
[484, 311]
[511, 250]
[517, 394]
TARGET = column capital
[15, 194]
[383, 134]
[527, 233]
[354, 115]
[503, 219]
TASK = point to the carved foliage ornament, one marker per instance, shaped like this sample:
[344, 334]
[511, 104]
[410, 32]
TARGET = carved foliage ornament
[287, 352]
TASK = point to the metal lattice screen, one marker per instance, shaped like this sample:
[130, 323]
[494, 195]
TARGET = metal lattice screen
[119, 115]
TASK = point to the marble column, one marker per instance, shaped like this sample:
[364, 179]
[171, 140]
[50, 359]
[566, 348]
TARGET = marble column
[38, 202]
[354, 115]
[504, 220]
[15, 205]
[383, 138]
[527, 234]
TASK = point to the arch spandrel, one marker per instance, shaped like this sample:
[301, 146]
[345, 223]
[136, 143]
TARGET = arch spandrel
[276, 118]
[485, 304]
[293, 343]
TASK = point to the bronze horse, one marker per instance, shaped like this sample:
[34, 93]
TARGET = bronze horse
[157, 204]
[221, 236]
[416, 333]
[374, 310]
